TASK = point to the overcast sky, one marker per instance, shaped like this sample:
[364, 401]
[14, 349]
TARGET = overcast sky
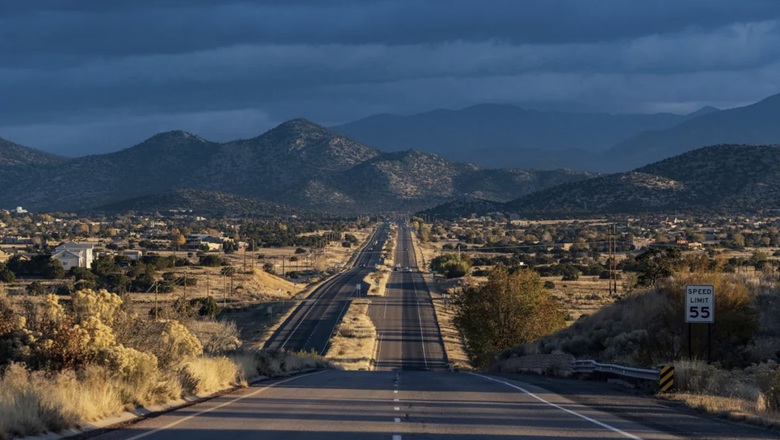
[89, 76]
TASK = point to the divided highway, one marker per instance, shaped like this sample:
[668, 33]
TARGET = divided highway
[402, 401]
[312, 323]
[407, 332]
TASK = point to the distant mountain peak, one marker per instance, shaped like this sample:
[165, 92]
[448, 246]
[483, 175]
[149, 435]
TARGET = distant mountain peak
[707, 109]
[174, 135]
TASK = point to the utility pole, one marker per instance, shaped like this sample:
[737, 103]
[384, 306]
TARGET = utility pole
[612, 244]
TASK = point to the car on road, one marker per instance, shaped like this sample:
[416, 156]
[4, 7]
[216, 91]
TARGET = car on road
[362, 264]
[406, 249]
[407, 269]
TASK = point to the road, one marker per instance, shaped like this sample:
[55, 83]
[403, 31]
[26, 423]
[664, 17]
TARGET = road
[388, 405]
[310, 326]
[400, 401]
[407, 331]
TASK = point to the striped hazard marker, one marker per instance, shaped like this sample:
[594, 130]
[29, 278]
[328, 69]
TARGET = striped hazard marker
[667, 378]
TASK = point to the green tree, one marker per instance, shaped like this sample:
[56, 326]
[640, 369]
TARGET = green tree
[452, 265]
[507, 310]
[656, 264]
[6, 276]
[53, 270]
[35, 289]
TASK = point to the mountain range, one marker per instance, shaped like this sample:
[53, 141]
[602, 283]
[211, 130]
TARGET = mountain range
[298, 163]
[509, 136]
[719, 178]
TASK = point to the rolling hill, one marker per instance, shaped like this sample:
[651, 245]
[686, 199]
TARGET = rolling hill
[298, 163]
[729, 178]
[717, 179]
[202, 202]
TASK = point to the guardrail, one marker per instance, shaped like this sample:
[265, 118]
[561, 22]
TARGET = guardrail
[590, 366]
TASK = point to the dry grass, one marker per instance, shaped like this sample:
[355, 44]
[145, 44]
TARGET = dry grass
[382, 275]
[453, 341]
[584, 296]
[743, 395]
[352, 347]
[252, 364]
[203, 375]
[33, 402]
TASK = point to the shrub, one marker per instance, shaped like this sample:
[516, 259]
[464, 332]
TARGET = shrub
[549, 285]
[6, 276]
[451, 265]
[507, 310]
[211, 261]
[35, 289]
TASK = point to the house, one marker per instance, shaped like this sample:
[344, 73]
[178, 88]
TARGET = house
[641, 243]
[132, 254]
[68, 259]
[17, 240]
[74, 254]
[200, 240]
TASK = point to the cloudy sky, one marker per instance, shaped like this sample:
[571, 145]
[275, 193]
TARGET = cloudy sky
[88, 76]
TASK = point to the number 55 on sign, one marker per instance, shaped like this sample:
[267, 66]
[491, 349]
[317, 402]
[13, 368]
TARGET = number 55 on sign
[699, 303]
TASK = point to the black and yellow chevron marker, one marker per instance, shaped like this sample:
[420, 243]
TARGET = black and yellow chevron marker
[667, 378]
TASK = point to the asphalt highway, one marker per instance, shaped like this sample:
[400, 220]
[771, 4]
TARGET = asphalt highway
[311, 325]
[389, 405]
[407, 332]
[412, 395]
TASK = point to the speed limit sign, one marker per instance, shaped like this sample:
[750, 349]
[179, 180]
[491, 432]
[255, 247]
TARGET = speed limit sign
[699, 303]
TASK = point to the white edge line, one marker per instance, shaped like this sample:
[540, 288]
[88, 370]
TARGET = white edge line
[182, 420]
[419, 321]
[602, 424]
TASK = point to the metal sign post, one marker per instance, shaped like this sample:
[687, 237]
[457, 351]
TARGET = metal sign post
[700, 309]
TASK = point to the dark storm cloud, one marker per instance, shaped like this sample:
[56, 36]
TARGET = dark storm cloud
[149, 26]
[71, 72]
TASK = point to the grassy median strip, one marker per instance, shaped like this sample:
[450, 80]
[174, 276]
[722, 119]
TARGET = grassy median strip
[352, 347]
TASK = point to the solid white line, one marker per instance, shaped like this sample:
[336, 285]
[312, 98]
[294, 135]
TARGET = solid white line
[184, 419]
[378, 351]
[385, 312]
[299, 324]
[341, 316]
[419, 319]
[603, 425]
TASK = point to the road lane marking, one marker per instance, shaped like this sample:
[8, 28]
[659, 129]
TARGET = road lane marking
[397, 420]
[182, 420]
[396, 437]
[419, 320]
[602, 424]
[299, 323]
[378, 351]
[341, 316]
[397, 408]
[395, 392]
